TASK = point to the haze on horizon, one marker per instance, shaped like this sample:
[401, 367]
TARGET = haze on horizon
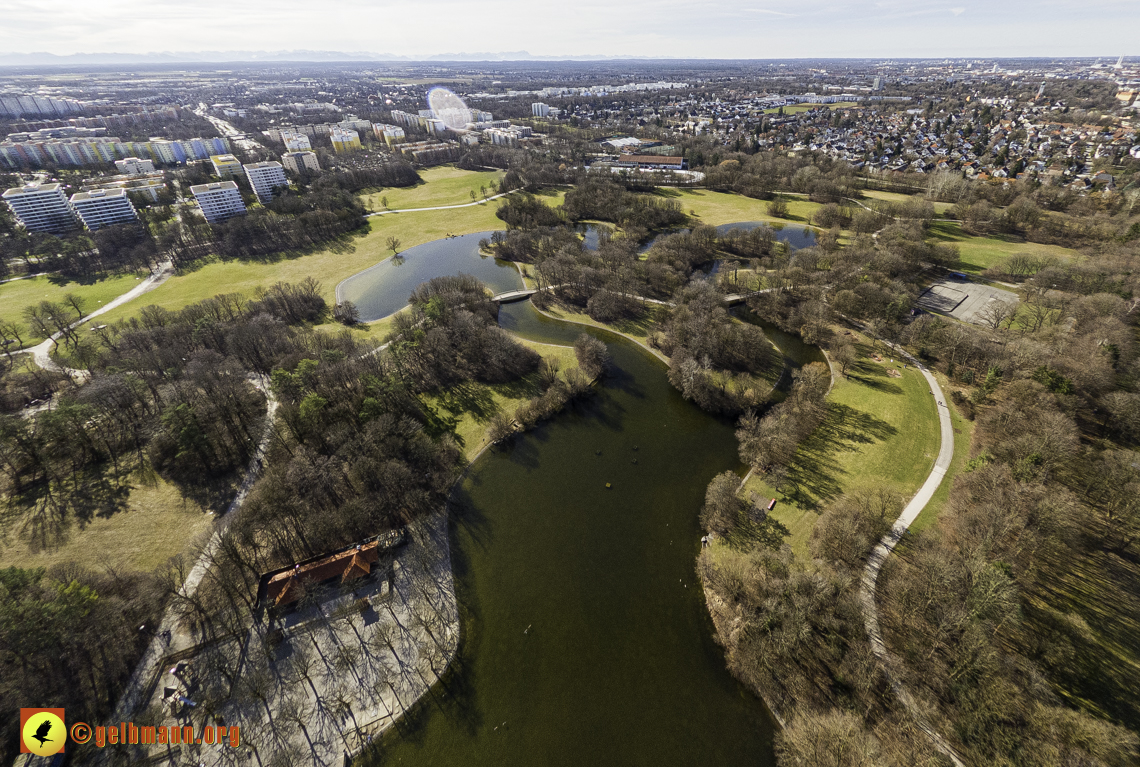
[750, 29]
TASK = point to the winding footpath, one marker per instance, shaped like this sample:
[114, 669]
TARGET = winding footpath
[883, 549]
[484, 201]
[171, 635]
[41, 353]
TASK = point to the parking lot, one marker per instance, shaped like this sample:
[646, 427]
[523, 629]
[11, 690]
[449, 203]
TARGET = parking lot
[962, 299]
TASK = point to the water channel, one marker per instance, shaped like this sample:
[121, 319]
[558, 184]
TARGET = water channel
[586, 640]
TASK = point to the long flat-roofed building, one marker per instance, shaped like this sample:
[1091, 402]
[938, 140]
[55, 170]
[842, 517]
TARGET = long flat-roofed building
[41, 207]
[264, 177]
[104, 207]
[219, 201]
[299, 162]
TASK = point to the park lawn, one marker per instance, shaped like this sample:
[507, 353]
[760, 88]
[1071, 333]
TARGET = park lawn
[442, 185]
[329, 266]
[795, 109]
[874, 194]
[469, 408]
[637, 330]
[373, 332]
[980, 253]
[1097, 590]
[716, 208]
[552, 195]
[157, 523]
[879, 431]
[963, 437]
[14, 296]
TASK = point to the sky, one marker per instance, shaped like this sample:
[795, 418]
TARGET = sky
[754, 29]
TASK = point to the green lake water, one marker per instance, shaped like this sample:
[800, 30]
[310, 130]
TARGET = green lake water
[586, 640]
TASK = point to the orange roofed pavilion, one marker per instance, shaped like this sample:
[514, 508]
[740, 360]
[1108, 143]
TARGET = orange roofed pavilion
[284, 588]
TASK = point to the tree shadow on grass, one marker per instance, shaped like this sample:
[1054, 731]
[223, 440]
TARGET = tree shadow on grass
[1089, 662]
[468, 398]
[814, 477]
[868, 372]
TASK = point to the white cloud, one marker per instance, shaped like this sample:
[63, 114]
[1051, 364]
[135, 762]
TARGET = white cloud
[957, 11]
[766, 11]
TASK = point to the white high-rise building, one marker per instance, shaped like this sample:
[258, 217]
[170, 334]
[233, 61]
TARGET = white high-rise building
[219, 201]
[538, 109]
[295, 142]
[133, 166]
[41, 207]
[104, 207]
[264, 177]
[300, 161]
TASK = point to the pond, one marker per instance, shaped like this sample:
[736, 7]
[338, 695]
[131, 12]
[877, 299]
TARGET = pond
[586, 640]
[384, 289]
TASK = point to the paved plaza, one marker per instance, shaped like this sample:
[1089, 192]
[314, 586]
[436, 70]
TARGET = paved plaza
[962, 299]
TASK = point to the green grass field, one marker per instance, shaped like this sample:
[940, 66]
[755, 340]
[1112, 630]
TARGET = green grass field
[879, 430]
[716, 208]
[939, 207]
[442, 185]
[980, 253]
[329, 266]
[14, 296]
[796, 109]
[156, 524]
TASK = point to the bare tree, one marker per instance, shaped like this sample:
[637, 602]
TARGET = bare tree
[996, 312]
[393, 243]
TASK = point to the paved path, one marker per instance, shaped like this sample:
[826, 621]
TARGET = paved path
[884, 548]
[41, 353]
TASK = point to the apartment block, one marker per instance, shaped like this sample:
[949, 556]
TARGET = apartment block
[295, 142]
[41, 207]
[300, 161]
[538, 109]
[219, 201]
[264, 177]
[104, 207]
[344, 140]
[225, 165]
[133, 166]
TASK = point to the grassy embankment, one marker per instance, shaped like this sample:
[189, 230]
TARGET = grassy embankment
[879, 430]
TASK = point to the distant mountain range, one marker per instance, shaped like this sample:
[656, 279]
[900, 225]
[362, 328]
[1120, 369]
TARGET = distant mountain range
[195, 57]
